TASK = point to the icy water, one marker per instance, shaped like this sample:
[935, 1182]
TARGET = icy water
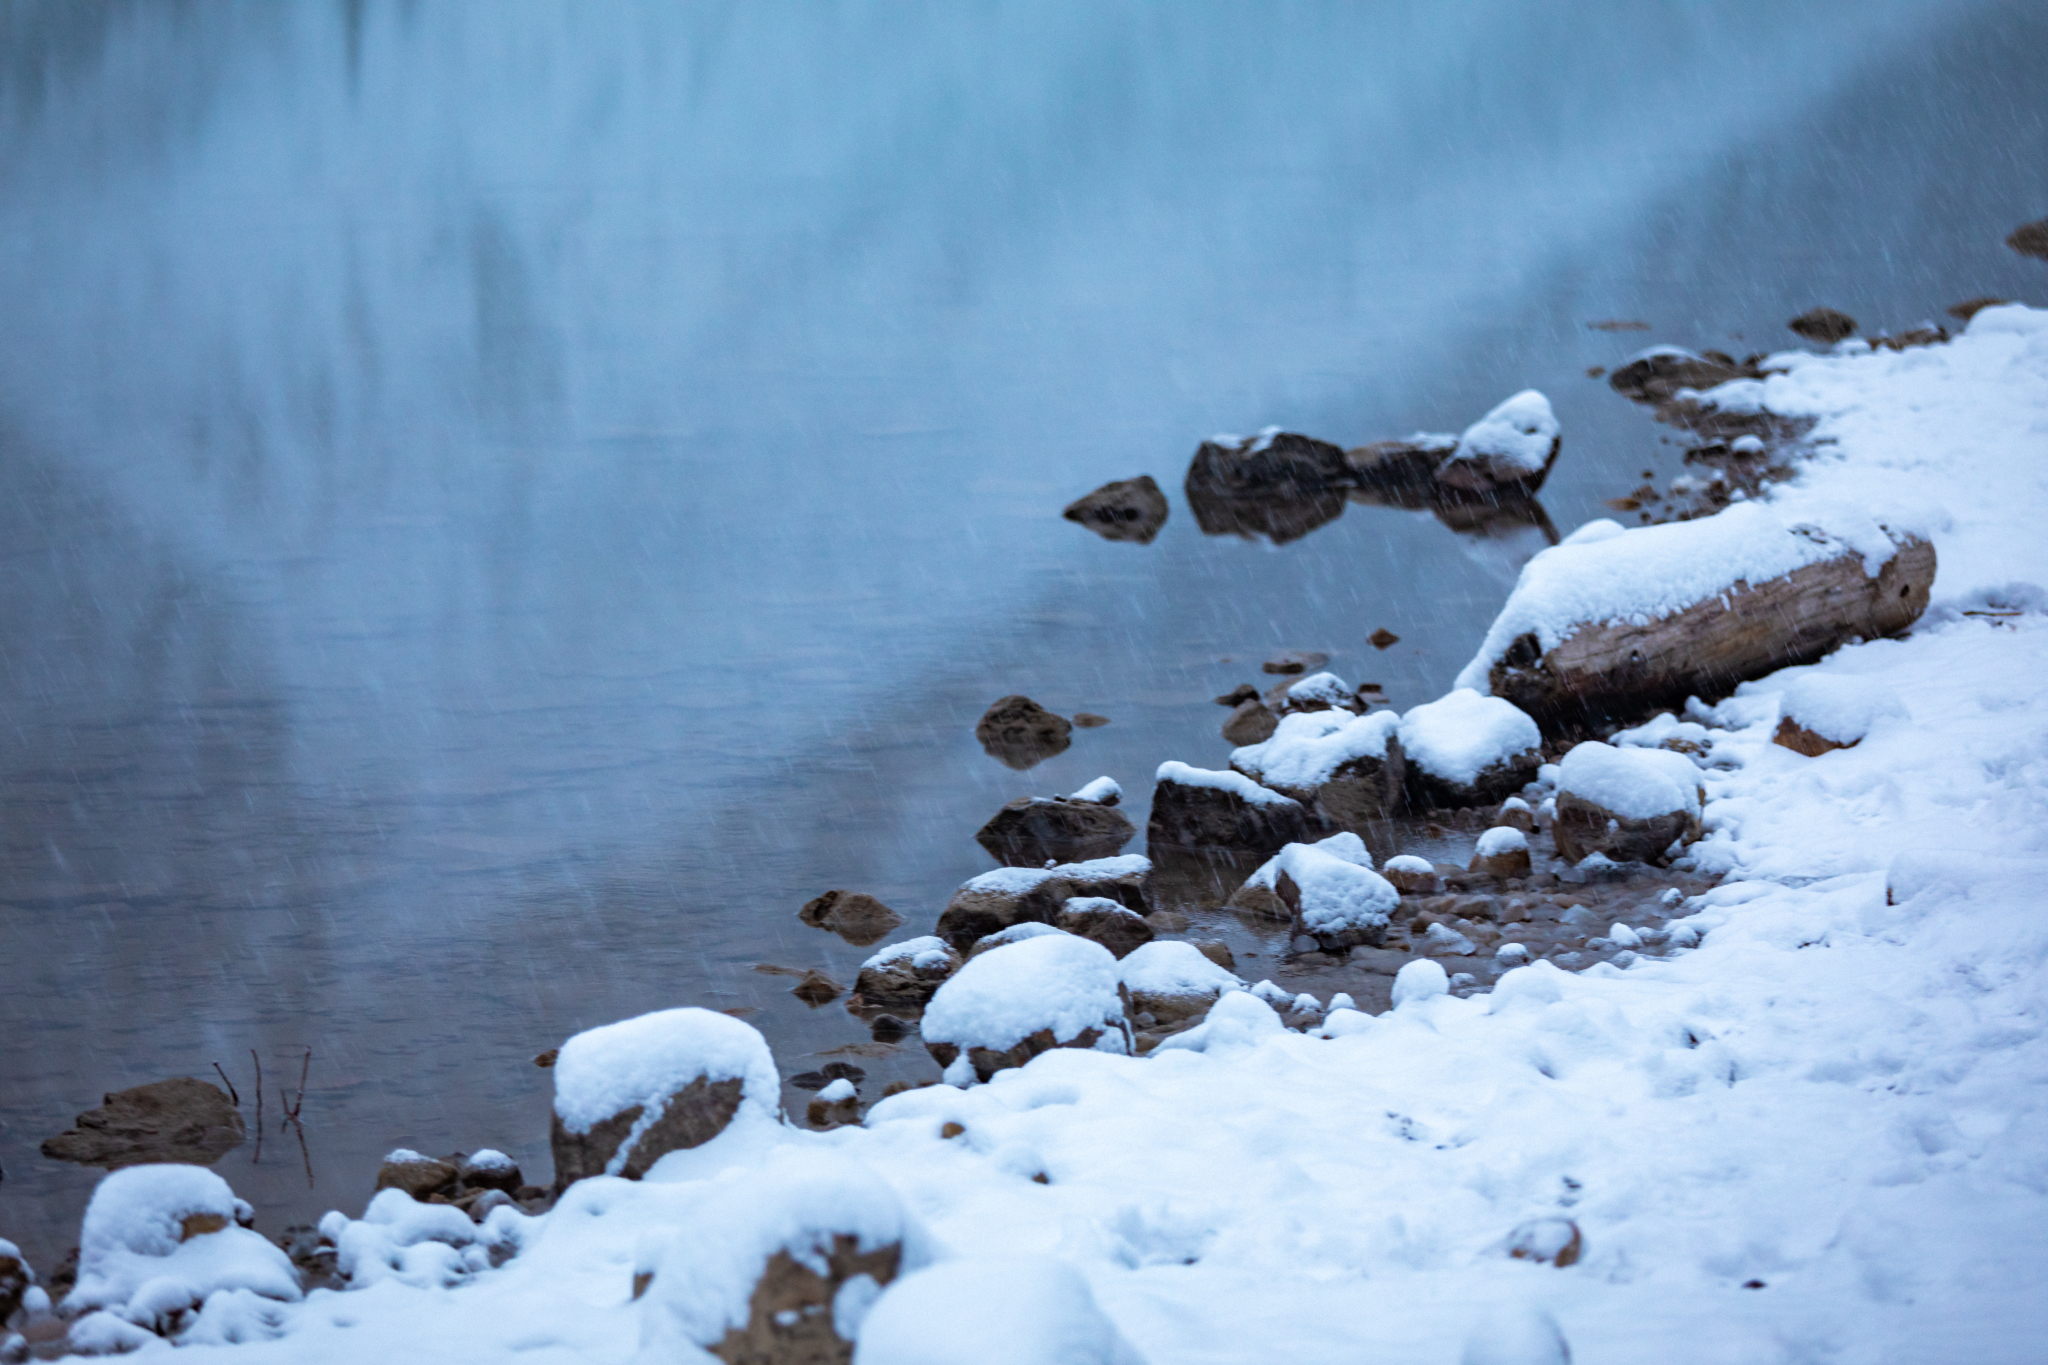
[501, 503]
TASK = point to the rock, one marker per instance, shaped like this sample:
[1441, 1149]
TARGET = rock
[16, 1279]
[1465, 749]
[1969, 308]
[1383, 638]
[1103, 921]
[491, 1169]
[1020, 733]
[1217, 952]
[887, 1028]
[1008, 1006]
[1399, 473]
[1502, 851]
[904, 975]
[1295, 661]
[1824, 325]
[1656, 376]
[1103, 791]
[1820, 712]
[1625, 804]
[1127, 510]
[1167, 922]
[1515, 813]
[1411, 876]
[181, 1119]
[858, 918]
[416, 1174]
[1586, 639]
[1015, 895]
[2031, 240]
[1547, 1241]
[1195, 808]
[1508, 452]
[836, 1105]
[698, 1069]
[1031, 830]
[1277, 484]
[1088, 720]
[1318, 692]
[1016, 933]
[1348, 770]
[1250, 723]
[1332, 895]
[817, 988]
[1238, 695]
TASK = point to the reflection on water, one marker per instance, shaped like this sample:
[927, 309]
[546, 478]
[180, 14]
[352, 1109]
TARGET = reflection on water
[505, 503]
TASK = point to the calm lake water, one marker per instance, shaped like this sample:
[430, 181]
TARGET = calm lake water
[501, 503]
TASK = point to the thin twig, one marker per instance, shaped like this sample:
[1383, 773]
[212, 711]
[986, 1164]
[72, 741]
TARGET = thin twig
[291, 1111]
[259, 1106]
[229, 1084]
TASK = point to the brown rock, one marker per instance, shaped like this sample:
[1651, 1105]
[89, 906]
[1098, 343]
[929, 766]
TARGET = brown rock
[1824, 325]
[180, 1120]
[1656, 379]
[1279, 485]
[1295, 661]
[976, 912]
[1514, 813]
[1104, 921]
[1167, 922]
[1801, 740]
[1512, 862]
[1969, 308]
[817, 988]
[1547, 1241]
[1020, 733]
[900, 983]
[16, 1279]
[2031, 240]
[1217, 952]
[418, 1178]
[1584, 828]
[693, 1116]
[1398, 473]
[858, 918]
[1252, 722]
[1031, 830]
[493, 1176]
[1382, 638]
[1088, 720]
[1195, 816]
[1238, 695]
[839, 1113]
[988, 1061]
[547, 1059]
[1415, 882]
[1128, 510]
[790, 1318]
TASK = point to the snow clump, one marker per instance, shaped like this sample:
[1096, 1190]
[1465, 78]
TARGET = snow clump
[427, 1246]
[1172, 979]
[1420, 980]
[608, 1070]
[1635, 784]
[1237, 784]
[1023, 1311]
[1102, 791]
[1055, 981]
[1513, 441]
[1839, 708]
[1308, 747]
[927, 951]
[1458, 736]
[1502, 839]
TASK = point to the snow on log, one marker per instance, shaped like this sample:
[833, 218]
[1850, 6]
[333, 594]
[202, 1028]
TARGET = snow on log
[1613, 626]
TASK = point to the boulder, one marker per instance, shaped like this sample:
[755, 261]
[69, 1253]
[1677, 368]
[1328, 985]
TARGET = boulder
[1127, 509]
[1824, 325]
[1820, 712]
[1627, 805]
[417, 1174]
[1412, 876]
[1020, 895]
[1347, 769]
[1295, 661]
[1465, 749]
[855, 916]
[693, 1070]
[1250, 722]
[1172, 980]
[1259, 894]
[1508, 452]
[1656, 376]
[1007, 1006]
[1614, 627]
[904, 975]
[1217, 952]
[1502, 851]
[1399, 473]
[1020, 733]
[1194, 808]
[2031, 239]
[1327, 891]
[1276, 484]
[180, 1119]
[1101, 920]
[1031, 830]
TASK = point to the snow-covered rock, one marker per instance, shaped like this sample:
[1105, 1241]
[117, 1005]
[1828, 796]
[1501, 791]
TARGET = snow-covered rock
[1016, 933]
[1326, 890]
[1103, 791]
[1510, 450]
[1010, 1311]
[904, 975]
[416, 1173]
[1823, 711]
[160, 1242]
[1502, 851]
[1420, 980]
[1200, 808]
[1412, 876]
[1350, 768]
[1017, 895]
[1238, 1019]
[1260, 893]
[1465, 749]
[1033, 830]
[1101, 920]
[627, 1093]
[423, 1245]
[1007, 1006]
[1625, 804]
[1173, 980]
[1319, 692]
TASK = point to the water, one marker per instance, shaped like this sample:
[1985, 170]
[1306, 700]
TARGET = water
[499, 504]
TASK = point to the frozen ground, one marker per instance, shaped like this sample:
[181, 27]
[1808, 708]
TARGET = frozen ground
[1820, 1135]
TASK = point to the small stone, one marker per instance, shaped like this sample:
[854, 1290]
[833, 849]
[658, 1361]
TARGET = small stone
[1502, 851]
[1103, 921]
[1295, 661]
[1251, 722]
[1238, 695]
[1515, 813]
[1020, 733]
[490, 1170]
[950, 1129]
[1382, 638]
[858, 918]
[419, 1176]
[547, 1059]
[817, 988]
[1547, 1241]
[1130, 510]
[887, 1028]
[1824, 325]
[1217, 952]
[895, 979]
[1411, 876]
[836, 1106]
[2031, 240]
[1088, 720]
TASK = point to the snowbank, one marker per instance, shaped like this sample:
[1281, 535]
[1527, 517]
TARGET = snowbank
[1024, 1311]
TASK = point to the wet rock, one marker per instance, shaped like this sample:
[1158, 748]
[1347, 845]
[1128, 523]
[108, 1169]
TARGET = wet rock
[1103, 921]
[2031, 240]
[1015, 895]
[1020, 733]
[1238, 695]
[887, 1028]
[1194, 808]
[1411, 876]
[904, 975]
[181, 1119]
[1277, 484]
[1031, 830]
[1016, 933]
[1218, 952]
[817, 988]
[855, 916]
[1502, 851]
[417, 1174]
[1515, 813]
[1824, 325]
[1655, 378]
[1088, 720]
[1167, 922]
[1506, 453]
[1252, 722]
[1398, 473]
[491, 1169]
[1318, 692]
[1969, 308]
[1128, 510]
[835, 1106]
[1295, 661]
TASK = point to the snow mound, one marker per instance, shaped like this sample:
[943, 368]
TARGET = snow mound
[1514, 440]
[1501, 839]
[1058, 981]
[797, 1200]
[1102, 789]
[1326, 688]
[1308, 747]
[1018, 880]
[605, 1071]
[1420, 980]
[1238, 1019]
[1237, 784]
[1023, 1311]
[427, 1246]
[1458, 736]
[1017, 933]
[1635, 784]
[159, 1242]
[1173, 968]
[1408, 862]
[1838, 707]
[921, 952]
[1339, 889]
[1516, 1335]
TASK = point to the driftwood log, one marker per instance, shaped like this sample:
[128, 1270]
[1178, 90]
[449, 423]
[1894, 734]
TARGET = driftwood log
[1603, 672]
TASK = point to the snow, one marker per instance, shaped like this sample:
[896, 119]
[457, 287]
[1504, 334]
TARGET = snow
[1420, 981]
[1514, 439]
[1017, 933]
[608, 1070]
[1009, 1311]
[1239, 1020]
[1635, 784]
[422, 1245]
[1408, 862]
[1017, 880]
[1459, 735]
[926, 951]
[840, 1089]
[1173, 968]
[1058, 981]
[1307, 747]
[491, 1161]
[1339, 889]
[1237, 784]
[1501, 839]
[1843, 709]
[1327, 688]
[1100, 790]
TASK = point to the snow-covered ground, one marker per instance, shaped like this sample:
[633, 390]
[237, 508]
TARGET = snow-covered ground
[1821, 1134]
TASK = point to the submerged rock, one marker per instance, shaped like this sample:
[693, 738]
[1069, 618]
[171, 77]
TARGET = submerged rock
[817, 988]
[1033, 829]
[1276, 484]
[1127, 510]
[181, 1119]
[858, 918]
[1195, 808]
[2031, 240]
[1020, 733]
[1824, 325]
[1295, 661]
